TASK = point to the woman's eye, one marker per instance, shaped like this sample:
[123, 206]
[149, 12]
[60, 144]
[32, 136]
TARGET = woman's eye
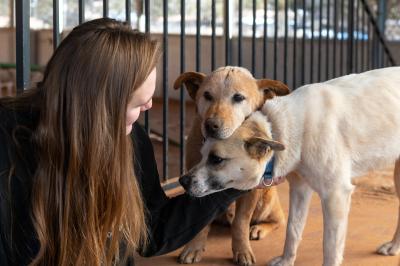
[214, 159]
[237, 98]
[207, 96]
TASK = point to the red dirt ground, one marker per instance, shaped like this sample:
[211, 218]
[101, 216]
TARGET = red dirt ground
[372, 221]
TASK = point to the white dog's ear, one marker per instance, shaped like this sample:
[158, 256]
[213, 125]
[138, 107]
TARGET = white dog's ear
[258, 147]
[272, 88]
[192, 81]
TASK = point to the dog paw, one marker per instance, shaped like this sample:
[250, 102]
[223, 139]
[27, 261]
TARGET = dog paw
[389, 249]
[280, 261]
[244, 258]
[257, 232]
[189, 255]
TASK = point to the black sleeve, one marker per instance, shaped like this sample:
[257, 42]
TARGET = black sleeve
[172, 222]
[3, 256]
[4, 166]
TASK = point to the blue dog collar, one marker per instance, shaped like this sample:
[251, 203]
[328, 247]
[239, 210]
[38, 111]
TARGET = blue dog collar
[267, 179]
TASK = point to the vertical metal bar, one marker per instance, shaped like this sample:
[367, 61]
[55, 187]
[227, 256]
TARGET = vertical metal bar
[165, 90]
[350, 25]
[213, 15]
[265, 39]
[253, 41]
[386, 61]
[182, 105]
[227, 35]
[198, 28]
[56, 24]
[369, 53]
[275, 40]
[240, 33]
[379, 54]
[320, 40]
[327, 55]
[105, 8]
[22, 10]
[128, 12]
[294, 86]
[147, 30]
[303, 47]
[312, 42]
[342, 37]
[81, 8]
[147, 15]
[363, 41]
[381, 18]
[285, 50]
[356, 37]
[373, 49]
[334, 36]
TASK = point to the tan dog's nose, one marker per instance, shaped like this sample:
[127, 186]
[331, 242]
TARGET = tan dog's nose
[212, 126]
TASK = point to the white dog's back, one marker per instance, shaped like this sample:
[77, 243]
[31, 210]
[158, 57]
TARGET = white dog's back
[355, 117]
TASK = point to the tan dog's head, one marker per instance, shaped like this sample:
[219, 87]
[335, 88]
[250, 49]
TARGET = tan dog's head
[236, 162]
[227, 96]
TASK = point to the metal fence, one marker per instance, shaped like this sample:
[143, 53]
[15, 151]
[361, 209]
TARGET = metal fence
[338, 36]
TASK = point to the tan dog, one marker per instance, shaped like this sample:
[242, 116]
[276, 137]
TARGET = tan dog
[223, 100]
[333, 132]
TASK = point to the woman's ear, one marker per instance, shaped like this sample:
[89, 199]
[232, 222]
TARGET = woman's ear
[272, 88]
[192, 81]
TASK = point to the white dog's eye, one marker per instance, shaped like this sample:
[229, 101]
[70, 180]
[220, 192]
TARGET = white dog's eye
[237, 98]
[214, 159]
[207, 96]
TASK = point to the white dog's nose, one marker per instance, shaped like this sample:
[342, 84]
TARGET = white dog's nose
[185, 181]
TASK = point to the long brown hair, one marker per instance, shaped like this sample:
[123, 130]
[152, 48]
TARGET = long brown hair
[85, 198]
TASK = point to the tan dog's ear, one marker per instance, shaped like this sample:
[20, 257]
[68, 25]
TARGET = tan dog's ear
[258, 147]
[272, 88]
[192, 81]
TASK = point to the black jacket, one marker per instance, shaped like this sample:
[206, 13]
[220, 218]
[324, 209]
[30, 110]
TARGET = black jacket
[172, 222]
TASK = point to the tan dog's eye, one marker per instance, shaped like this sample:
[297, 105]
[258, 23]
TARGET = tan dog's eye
[237, 98]
[208, 96]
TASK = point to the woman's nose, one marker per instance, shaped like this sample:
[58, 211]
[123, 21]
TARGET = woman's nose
[147, 106]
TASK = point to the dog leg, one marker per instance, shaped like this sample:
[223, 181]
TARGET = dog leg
[242, 252]
[393, 247]
[300, 195]
[275, 219]
[261, 230]
[193, 250]
[335, 208]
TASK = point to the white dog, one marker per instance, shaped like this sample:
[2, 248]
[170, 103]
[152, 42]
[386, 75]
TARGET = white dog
[321, 136]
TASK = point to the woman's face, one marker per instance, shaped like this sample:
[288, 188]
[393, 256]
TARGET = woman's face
[141, 100]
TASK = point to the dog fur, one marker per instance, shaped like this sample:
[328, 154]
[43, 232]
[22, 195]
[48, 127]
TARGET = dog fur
[223, 100]
[322, 136]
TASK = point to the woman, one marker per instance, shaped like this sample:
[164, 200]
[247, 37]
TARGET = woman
[70, 152]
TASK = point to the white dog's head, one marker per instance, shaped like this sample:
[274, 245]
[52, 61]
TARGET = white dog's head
[236, 162]
[227, 96]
